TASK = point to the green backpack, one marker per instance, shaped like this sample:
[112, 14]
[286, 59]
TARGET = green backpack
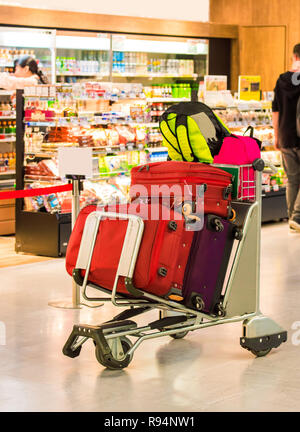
[192, 132]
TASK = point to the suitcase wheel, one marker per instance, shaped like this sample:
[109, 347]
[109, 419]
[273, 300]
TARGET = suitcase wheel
[216, 224]
[237, 233]
[117, 359]
[220, 310]
[198, 302]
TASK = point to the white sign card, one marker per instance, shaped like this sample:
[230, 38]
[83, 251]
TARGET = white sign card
[75, 161]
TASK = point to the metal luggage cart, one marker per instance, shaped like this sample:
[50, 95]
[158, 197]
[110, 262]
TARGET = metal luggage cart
[241, 290]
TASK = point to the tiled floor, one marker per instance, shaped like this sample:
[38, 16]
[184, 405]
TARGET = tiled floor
[206, 371]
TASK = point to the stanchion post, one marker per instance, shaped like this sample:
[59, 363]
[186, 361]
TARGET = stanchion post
[77, 186]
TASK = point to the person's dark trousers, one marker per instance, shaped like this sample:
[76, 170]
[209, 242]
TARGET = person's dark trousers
[291, 164]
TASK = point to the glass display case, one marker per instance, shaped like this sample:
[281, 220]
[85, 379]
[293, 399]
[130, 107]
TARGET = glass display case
[168, 65]
[38, 43]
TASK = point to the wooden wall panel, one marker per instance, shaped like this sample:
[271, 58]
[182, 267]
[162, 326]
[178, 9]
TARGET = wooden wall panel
[112, 23]
[232, 11]
[261, 13]
[257, 48]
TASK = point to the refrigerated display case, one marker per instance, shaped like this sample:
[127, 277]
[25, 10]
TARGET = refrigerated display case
[72, 56]
[38, 43]
[173, 64]
[81, 56]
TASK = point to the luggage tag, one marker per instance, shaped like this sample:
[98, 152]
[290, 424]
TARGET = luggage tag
[192, 211]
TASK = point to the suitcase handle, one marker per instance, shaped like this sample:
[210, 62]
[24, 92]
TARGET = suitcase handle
[130, 249]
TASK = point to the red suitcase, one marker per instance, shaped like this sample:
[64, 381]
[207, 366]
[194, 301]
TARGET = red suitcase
[188, 175]
[162, 257]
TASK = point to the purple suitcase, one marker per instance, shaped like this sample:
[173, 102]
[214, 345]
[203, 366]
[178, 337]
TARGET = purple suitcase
[207, 265]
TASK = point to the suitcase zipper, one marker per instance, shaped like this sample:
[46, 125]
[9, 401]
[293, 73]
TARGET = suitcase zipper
[173, 180]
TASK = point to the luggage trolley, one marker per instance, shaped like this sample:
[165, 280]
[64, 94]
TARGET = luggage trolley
[241, 290]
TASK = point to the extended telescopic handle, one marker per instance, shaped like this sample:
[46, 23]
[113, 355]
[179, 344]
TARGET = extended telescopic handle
[271, 167]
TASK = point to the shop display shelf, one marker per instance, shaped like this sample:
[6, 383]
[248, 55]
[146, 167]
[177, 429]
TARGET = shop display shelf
[157, 149]
[50, 242]
[8, 117]
[274, 205]
[167, 100]
[82, 74]
[7, 174]
[153, 75]
[8, 140]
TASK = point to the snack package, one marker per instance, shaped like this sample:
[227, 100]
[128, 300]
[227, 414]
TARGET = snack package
[99, 137]
[116, 163]
[112, 137]
[126, 134]
[52, 203]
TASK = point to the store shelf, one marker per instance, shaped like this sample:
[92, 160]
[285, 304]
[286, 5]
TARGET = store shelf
[168, 100]
[7, 118]
[82, 74]
[152, 75]
[157, 149]
[7, 174]
[8, 140]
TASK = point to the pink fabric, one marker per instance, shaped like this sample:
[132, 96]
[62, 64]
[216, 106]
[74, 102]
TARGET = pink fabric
[240, 150]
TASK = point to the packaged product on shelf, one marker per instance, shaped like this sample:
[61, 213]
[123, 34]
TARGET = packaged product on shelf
[126, 134]
[112, 137]
[35, 203]
[99, 137]
[52, 203]
[85, 140]
[122, 182]
[140, 134]
[133, 158]
[46, 169]
[102, 193]
[116, 163]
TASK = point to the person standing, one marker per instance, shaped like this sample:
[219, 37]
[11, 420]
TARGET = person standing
[284, 107]
[26, 73]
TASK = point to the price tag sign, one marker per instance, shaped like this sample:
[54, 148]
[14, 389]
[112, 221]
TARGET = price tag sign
[75, 161]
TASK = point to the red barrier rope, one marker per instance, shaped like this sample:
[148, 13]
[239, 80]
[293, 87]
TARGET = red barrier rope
[35, 192]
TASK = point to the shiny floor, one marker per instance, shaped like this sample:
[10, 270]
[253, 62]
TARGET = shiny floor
[206, 371]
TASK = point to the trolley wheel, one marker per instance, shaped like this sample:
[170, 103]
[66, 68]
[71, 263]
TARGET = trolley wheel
[116, 363]
[74, 354]
[179, 335]
[261, 353]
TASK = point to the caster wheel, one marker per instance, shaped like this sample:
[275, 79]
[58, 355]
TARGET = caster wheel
[261, 353]
[198, 303]
[119, 361]
[220, 311]
[73, 354]
[179, 335]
